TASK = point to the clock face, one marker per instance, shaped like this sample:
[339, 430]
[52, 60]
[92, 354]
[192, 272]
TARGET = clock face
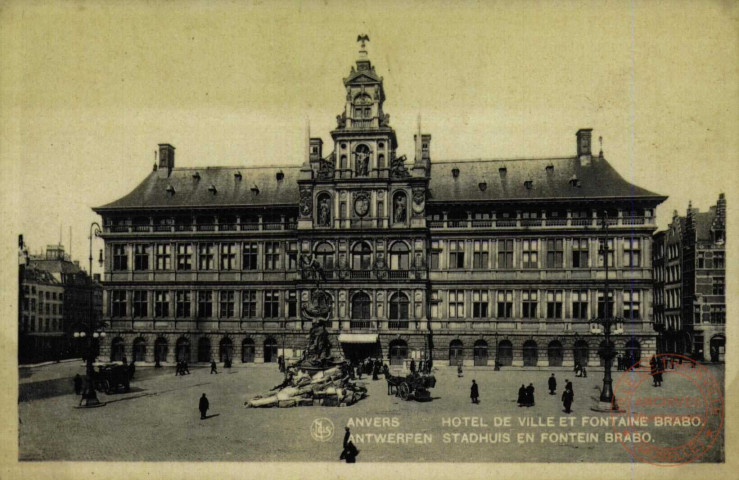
[361, 206]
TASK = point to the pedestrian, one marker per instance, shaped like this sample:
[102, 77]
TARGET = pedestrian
[567, 398]
[521, 396]
[350, 452]
[131, 369]
[281, 363]
[77, 384]
[530, 395]
[459, 369]
[185, 368]
[552, 384]
[413, 366]
[568, 386]
[124, 360]
[375, 370]
[203, 406]
[178, 369]
[359, 371]
[474, 393]
[421, 366]
[213, 367]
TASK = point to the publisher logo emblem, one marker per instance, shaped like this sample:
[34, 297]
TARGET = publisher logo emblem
[322, 429]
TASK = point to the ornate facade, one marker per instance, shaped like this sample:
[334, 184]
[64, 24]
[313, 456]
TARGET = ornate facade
[468, 261]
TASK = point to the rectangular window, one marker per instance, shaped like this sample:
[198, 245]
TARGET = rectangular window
[205, 304]
[718, 260]
[601, 249]
[206, 256]
[120, 258]
[435, 301]
[118, 306]
[292, 256]
[456, 254]
[162, 256]
[140, 303]
[183, 302]
[601, 304]
[435, 254]
[249, 258]
[479, 304]
[184, 256]
[505, 303]
[505, 254]
[271, 303]
[580, 252]
[456, 303]
[292, 304]
[555, 253]
[272, 255]
[530, 253]
[580, 304]
[718, 285]
[554, 304]
[632, 252]
[248, 303]
[529, 303]
[631, 304]
[701, 260]
[161, 304]
[718, 314]
[227, 303]
[140, 257]
[228, 256]
[480, 254]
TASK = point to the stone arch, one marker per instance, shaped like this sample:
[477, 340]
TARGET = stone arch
[480, 353]
[555, 353]
[505, 353]
[530, 353]
[247, 350]
[139, 349]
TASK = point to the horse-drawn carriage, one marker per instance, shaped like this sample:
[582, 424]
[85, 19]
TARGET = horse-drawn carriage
[413, 386]
[111, 377]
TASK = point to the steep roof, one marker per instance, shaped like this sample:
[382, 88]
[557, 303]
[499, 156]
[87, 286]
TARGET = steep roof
[597, 180]
[703, 223]
[35, 275]
[189, 191]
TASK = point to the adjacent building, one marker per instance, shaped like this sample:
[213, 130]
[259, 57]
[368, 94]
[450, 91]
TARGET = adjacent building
[41, 313]
[690, 276]
[465, 261]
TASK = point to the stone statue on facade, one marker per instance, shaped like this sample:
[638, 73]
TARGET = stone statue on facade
[397, 167]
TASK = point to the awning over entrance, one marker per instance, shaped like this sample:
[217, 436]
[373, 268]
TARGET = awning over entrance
[358, 338]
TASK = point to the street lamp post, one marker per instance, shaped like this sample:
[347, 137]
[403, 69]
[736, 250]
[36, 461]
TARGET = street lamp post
[92, 330]
[607, 321]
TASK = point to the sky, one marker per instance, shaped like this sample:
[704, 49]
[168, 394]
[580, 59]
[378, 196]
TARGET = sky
[88, 89]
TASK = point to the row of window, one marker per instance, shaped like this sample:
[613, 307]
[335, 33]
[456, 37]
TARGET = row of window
[42, 294]
[44, 324]
[29, 305]
[531, 254]
[530, 301]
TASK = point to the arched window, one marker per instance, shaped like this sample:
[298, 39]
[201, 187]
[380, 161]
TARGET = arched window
[633, 351]
[581, 352]
[481, 353]
[361, 306]
[183, 350]
[381, 161]
[400, 208]
[555, 353]
[362, 256]
[204, 349]
[117, 350]
[456, 352]
[530, 353]
[139, 350]
[361, 160]
[342, 162]
[270, 350]
[602, 351]
[399, 256]
[161, 350]
[398, 352]
[225, 349]
[717, 348]
[362, 107]
[505, 353]
[399, 311]
[324, 253]
[247, 351]
[323, 210]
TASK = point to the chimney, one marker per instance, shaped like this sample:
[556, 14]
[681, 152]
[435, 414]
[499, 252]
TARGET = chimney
[166, 160]
[584, 136]
[316, 149]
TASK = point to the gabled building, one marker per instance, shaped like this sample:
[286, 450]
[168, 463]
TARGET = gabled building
[471, 261]
[690, 276]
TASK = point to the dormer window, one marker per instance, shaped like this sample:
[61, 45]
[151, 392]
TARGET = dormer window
[529, 184]
[255, 190]
[237, 175]
[455, 172]
[280, 176]
[574, 182]
[550, 168]
[196, 176]
[502, 171]
[170, 190]
[212, 189]
[483, 186]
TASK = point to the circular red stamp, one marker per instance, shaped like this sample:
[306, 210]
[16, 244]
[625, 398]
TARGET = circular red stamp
[670, 411]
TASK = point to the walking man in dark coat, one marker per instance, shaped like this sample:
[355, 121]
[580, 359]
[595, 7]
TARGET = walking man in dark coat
[185, 368]
[413, 366]
[530, 395]
[568, 386]
[213, 367]
[474, 393]
[552, 384]
[203, 406]
[521, 396]
[350, 452]
[567, 398]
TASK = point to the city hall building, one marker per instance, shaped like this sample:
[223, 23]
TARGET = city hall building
[474, 261]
